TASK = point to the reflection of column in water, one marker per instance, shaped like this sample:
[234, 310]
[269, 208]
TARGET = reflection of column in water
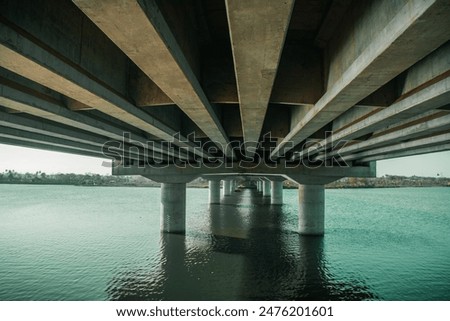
[215, 219]
[266, 265]
[229, 219]
[173, 251]
[317, 283]
[312, 283]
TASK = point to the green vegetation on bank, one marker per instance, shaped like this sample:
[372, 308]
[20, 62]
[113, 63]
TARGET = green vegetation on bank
[12, 177]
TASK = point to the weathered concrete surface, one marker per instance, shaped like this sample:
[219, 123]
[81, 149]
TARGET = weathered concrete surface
[413, 144]
[214, 191]
[379, 45]
[266, 188]
[410, 152]
[140, 30]
[276, 198]
[19, 99]
[49, 147]
[226, 187]
[311, 216]
[423, 128]
[257, 31]
[173, 208]
[376, 73]
[22, 56]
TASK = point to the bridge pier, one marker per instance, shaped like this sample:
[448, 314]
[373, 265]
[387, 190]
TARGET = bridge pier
[276, 197]
[311, 216]
[214, 191]
[226, 187]
[310, 192]
[233, 185]
[259, 186]
[173, 208]
[266, 188]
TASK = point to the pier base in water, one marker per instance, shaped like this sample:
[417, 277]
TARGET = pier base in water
[173, 208]
[311, 216]
[214, 192]
[266, 188]
[227, 187]
[276, 198]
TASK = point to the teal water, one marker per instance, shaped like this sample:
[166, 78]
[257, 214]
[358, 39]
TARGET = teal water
[101, 243]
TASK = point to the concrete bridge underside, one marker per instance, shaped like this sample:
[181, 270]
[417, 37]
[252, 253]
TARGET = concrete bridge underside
[265, 90]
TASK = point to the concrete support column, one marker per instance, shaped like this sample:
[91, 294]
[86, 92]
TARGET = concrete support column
[266, 188]
[311, 217]
[258, 186]
[214, 192]
[276, 197]
[227, 187]
[173, 208]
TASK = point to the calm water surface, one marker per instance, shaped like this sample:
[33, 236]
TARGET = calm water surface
[101, 243]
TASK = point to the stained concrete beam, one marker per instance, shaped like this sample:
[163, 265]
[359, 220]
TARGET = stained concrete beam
[264, 170]
[411, 152]
[43, 146]
[332, 20]
[144, 91]
[31, 137]
[393, 47]
[299, 79]
[43, 128]
[423, 101]
[22, 56]
[139, 29]
[257, 31]
[352, 116]
[422, 129]
[414, 144]
[13, 97]
[434, 96]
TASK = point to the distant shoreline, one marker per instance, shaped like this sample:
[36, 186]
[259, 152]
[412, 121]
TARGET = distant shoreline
[40, 178]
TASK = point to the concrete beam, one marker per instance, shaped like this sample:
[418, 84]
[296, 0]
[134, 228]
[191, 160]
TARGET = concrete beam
[78, 144]
[411, 152]
[257, 30]
[299, 79]
[298, 173]
[393, 47]
[17, 98]
[432, 67]
[43, 127]
[49, 140]
[434, 96]
[352, 116]
[22, 56]
[36, 126]
[47, 147]
[144, 91]
[425, 128]
[139, 29]
[331, 22]
[414, 144]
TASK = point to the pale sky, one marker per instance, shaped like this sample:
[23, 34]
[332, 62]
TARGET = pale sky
[31, 160]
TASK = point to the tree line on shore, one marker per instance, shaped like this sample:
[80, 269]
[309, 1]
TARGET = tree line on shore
[89, 179]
